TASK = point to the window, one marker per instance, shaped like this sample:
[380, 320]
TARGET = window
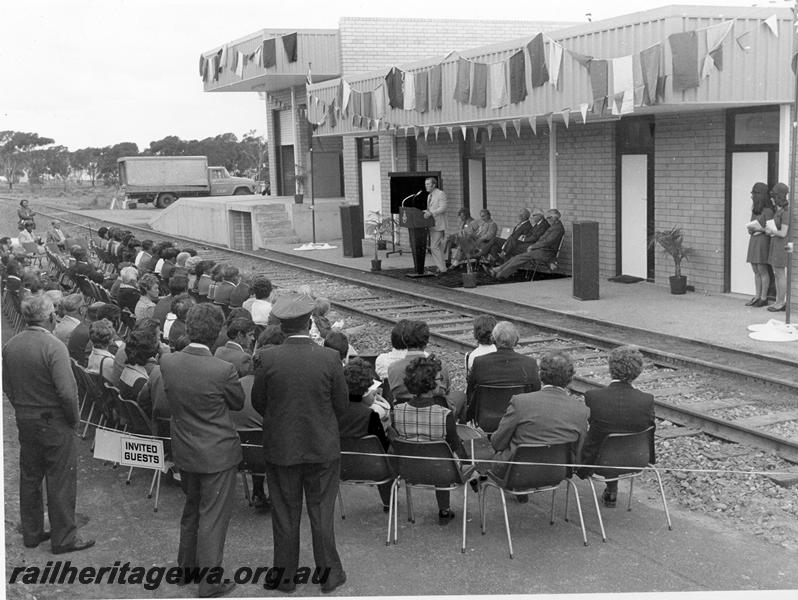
[369, 148]
[759, 127]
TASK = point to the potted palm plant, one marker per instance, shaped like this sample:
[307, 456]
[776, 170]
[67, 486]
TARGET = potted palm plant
[672, 243]
[376, 227]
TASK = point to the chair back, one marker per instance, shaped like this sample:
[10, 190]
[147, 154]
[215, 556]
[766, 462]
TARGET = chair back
[525, 477]
[444, 471]
[357, 467]
[117, 415]
[623, 450]
[252, 449]
[491, 402]
[137, 419]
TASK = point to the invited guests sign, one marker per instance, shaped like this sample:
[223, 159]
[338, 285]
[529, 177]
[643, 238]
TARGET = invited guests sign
[129, 451]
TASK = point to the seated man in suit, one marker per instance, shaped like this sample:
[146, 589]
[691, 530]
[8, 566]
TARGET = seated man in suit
[83, 267]
[237, 350]
[543, 250]
[523, 237]
[487, 232]
[549, 416]
[503, 367]
[617, 408]
[499, 245]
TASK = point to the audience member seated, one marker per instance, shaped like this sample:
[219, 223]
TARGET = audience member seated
[505, 366]
[340, 343]
[142, 260]
[549, 416]
[483, 334]
[544, 250]
[120, 358]
[520, 244]
[167, 268]
[487, 231]
[416, 336]
[272, 335]
[79, 345]
[363, 417]
[398, 350]
[55, 235]
[216, 278]
[237, 349]
[181, 267]
[204, 278]
[259, 305]
[467, 227]
[127, 296]
[178, 284]
[175, 323]
[82, 266]
[236, 313]
[149, 288]
[320, 325]
[101, 361]
[72, 307]
[241, 291]
[521, 228]
[421, 419]
[225, 287]
[617, 408]
[141, 348]
[26, 236]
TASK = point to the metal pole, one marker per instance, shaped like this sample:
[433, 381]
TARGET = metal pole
[793, 147]
[312, 189]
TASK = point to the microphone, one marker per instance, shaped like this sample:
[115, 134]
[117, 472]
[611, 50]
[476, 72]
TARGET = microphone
[418, 193]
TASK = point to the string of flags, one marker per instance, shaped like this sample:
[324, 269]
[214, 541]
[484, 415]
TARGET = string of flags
[618, 85]
[263, 57]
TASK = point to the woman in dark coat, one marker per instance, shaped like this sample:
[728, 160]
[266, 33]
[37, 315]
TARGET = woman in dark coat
[759, 243]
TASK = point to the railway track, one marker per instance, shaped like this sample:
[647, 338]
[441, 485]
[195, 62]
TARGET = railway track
[681, 374]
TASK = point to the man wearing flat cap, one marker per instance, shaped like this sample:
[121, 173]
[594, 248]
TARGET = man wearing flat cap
[300, 390]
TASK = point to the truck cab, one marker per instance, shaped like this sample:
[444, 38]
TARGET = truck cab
[223, 184]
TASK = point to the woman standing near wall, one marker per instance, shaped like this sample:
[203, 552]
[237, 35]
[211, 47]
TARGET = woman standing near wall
[777, 256]
[759, 243]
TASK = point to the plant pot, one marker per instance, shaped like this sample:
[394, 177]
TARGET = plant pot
[298, 198]
[382, 245]
[678, 284]
[376, 264]
[469, 280]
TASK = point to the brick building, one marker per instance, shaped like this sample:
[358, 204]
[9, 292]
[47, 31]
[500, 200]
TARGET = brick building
[686, 155]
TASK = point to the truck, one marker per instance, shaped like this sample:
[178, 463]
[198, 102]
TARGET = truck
[164, 179]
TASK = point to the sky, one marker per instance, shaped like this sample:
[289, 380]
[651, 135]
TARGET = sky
[100, 72]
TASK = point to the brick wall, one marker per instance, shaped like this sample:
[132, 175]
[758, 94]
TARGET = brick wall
[689, 191]
[369, 44]
[586, 186]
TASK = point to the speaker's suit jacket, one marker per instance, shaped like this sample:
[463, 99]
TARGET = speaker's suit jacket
[617, 408]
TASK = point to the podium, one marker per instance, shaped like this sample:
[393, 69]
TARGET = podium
[417, 225]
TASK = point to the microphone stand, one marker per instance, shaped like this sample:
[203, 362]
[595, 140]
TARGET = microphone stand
[393, 228]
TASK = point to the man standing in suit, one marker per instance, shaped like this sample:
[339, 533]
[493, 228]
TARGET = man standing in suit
[617, 408]
[436, 207]
[237, 350]
[542, 250]
[38, 380]
[505, 366]
[201, 390]
[301, 392]
[549, 416]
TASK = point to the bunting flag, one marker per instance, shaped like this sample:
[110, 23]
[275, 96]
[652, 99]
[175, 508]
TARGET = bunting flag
[503, 126]
[498, 84]
[356, 102]
[464, 129]
[583, 111]
[426, 132]
[331, 114]
[715, 36]
[517, 127]
[462, 86]
[437, 130]
[533, 123]
[598, 83]
[409, 88]
[684, 47]
[367, 104]
[479, 88]
[650, 61]
[661, 88]
[550, 121]
[709, 67]
[773, 24]
[269, 53]
[393, 83]
[537, 61]
[258, 56]
[238, 60]
[489, 129]
[742, 41]
[637, 79]
[517, 66]
[204, 70]
[379, 101]
[422, 91]
[289, 45]
[435, 94]
[566, 117]
[582, 59]
[346, 95]
[202, 62]
[555, 62]
[217, 65]
[223, 58]
[450, 128]
[623, 85]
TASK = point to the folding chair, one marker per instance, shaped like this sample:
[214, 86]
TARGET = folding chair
[253, 462]
[89, 393]
[547, 266]
[372, 470]
[140, 424]
[630, 450]
[490, 402]
[438, 469]
[523, 479]
[32, 252]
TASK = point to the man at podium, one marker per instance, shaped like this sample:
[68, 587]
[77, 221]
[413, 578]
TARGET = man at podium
[436, 208]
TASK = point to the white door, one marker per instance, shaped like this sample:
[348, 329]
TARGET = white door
[476, 199]
[634, 215]
[747, 169]
[372, 189]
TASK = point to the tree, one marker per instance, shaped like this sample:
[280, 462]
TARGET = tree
[256, 151]
[15, 150]
[50, 163]
[108, 156]
[88, 161]
[171, 145]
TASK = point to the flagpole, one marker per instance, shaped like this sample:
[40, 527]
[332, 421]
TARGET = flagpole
[310, 144]
[794, 147]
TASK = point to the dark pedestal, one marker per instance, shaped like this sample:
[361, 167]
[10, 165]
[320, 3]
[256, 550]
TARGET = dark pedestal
[352, 231]
[585, 260]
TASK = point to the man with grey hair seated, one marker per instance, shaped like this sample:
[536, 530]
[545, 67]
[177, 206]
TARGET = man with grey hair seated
[550, 416]
[38, 380]
[617, 408]
[503, 367]
[72, 308]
